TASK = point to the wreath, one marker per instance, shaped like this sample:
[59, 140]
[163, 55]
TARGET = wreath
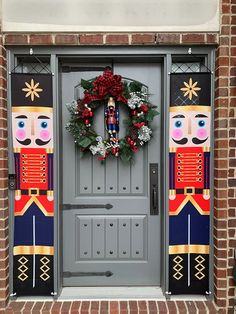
[113, 92]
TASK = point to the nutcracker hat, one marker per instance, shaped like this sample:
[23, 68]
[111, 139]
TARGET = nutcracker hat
[31, 90]
[111, 102]
[190, 89]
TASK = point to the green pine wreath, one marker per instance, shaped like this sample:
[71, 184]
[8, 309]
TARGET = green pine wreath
[97, 93]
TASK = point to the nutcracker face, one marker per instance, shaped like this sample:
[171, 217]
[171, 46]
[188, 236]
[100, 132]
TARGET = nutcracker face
[32, 129]
[190, 127]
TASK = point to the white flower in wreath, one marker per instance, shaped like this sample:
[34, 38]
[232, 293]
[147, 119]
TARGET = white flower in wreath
[98, 149]
[144, 134]
[134, 101]
[72, 107]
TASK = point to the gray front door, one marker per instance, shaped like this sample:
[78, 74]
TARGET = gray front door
[124, 240]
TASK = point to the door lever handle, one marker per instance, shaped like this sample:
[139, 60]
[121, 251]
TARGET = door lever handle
[154, 189]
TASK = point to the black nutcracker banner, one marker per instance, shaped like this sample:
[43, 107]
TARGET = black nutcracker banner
[189, 182]
[32, 134]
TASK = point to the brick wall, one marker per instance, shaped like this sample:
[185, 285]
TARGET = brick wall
[4, 264]
[112, 39]
[225, 158]
[225, 128]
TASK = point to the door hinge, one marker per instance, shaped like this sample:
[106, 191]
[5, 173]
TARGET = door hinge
[68, 274]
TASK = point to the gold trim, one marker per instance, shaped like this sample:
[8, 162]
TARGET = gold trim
[172, 149]
[49, 150]
[172, 192]
[31, 109]
[190, 108]
[192, 249]
[16, 150]
[30, 201]
[206, 192]
[17, 192]
[49, 193]
[32, 250]
[188, 188]
[195, 204]
[206, 148]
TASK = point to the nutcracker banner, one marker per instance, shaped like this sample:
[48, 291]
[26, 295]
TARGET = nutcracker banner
[189, 182]
[32, 134]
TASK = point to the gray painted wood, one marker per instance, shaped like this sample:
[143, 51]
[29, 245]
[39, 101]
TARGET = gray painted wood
[127, 238]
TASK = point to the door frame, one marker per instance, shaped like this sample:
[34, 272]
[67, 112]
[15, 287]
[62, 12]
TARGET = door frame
[55, 54]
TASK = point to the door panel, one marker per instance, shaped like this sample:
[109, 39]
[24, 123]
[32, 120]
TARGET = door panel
[124, 239]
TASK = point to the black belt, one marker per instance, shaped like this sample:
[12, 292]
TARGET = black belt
[33, 192]
[189, 191]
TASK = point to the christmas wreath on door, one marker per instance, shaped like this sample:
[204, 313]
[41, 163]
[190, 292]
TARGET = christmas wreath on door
[111, 91]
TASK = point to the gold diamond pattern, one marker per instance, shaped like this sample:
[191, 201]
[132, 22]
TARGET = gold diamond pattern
[199, 267]
[44, 268]
[178, 267]
[23, 268]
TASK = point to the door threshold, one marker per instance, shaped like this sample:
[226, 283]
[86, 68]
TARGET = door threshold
[111, 293]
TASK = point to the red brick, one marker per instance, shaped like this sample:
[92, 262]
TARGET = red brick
[168, 39]
[220, 204]
[114, 307]
[152, 307]
[225, 8]
[225, 19]
[142, 306]
[181, 307]
[104, 307]
[15, 39]
[41, 39]
[191, 307]
[117, 39]
[212, 39]
[46, 308]
[162, 307]
[75, 307]
[224, 41]
[85, 307]
[56, 307]
[67, 39]
[221, 213]
[142, 39]
[193, 38]
[133, 307]
[210, 306]
[65, 307]
[16, 306]
[171, 307]
[123, 305]
[91, 39]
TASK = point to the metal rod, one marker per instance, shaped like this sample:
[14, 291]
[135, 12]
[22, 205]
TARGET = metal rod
[84, 206]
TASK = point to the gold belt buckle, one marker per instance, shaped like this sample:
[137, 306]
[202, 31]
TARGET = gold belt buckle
[33, 191]
[189, 190]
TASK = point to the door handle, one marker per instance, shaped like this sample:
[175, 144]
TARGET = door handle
[153, 175]
[154, 198]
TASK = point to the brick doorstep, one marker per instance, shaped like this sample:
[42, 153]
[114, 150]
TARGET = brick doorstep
[118, 306]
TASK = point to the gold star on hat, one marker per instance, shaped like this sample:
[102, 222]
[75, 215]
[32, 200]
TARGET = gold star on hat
[190, 89]
[32, 89]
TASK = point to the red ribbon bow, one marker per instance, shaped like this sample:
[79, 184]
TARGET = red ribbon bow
[106, 84]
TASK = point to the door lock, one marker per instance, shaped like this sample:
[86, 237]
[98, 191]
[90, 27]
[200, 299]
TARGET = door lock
[153, 174]
[12, 182]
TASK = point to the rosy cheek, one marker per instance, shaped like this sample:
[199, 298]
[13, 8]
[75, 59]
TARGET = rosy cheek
[177, 134]
[201, 133]
[45, 135]
[20, 134]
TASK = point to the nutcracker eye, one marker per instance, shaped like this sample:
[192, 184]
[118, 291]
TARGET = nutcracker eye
[21, 124]
[201, 123]
[178, 124]
[44, 124]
